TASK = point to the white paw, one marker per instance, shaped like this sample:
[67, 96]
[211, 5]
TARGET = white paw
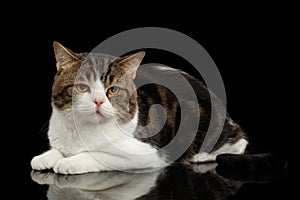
[46, 160]
[41, 162]
[74, 166]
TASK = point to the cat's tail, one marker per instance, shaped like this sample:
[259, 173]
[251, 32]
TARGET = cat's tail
[253, 168]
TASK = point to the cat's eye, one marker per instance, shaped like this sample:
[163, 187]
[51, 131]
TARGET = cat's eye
[82, 88]
[113, 90]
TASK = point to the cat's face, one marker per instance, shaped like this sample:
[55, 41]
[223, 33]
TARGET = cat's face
[95, 87]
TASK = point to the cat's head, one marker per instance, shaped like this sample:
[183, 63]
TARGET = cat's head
[95, 86]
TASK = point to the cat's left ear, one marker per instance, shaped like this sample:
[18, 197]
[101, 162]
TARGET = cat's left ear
[132, 62]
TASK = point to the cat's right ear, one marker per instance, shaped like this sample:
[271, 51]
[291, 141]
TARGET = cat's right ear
[63, 55]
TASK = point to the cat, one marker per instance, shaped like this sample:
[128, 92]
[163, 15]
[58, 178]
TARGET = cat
[101, 120]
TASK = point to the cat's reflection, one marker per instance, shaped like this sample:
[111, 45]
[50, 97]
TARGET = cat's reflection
[199, 181]
[102, 185]
[195, 182]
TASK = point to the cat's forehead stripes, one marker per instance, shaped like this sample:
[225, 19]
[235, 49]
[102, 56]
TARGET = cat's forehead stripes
[114, 75]
[106, 73]
[90, 70]
[96, 66]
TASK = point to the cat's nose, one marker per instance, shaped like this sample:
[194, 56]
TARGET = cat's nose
[98, 102]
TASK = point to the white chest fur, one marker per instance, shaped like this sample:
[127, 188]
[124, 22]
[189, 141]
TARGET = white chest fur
[108, 142]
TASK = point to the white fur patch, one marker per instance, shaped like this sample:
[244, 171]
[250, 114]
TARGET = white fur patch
[236, 148]
[204, 167]
[165, 68]
[91, 147]
[169, 69]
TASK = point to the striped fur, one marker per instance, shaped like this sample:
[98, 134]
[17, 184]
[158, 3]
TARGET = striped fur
[110, 98]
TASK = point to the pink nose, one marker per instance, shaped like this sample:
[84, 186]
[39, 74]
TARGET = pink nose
[98, 102]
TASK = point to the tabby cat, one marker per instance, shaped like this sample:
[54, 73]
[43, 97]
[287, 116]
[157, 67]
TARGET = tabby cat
[102, 119]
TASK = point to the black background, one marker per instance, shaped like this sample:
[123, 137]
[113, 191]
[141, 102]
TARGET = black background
[248, 49]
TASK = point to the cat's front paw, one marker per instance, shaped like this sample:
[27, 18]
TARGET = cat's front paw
[75, 166]
[46, 160]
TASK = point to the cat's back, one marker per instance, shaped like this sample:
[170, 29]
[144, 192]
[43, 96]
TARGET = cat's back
[182, 84]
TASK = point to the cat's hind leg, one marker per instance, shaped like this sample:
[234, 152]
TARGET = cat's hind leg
[46, 160]
[235, 148]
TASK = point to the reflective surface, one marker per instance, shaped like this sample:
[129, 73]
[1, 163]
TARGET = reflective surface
[198, 181]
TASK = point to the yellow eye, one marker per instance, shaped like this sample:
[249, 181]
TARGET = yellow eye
[113, 90]
[82, 88]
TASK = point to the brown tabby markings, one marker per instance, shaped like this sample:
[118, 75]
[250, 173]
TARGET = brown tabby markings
[156, 94]
[114, 74]
[119, 73]
[67, 65]
[62, 89]
[126, 100]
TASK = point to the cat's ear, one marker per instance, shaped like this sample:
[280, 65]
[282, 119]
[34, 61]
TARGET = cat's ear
[63, 55]
[132, 62]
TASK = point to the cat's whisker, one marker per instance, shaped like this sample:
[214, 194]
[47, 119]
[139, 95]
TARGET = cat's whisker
[83, 109]
[44, 127]
[109, 111]
[118, 120]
